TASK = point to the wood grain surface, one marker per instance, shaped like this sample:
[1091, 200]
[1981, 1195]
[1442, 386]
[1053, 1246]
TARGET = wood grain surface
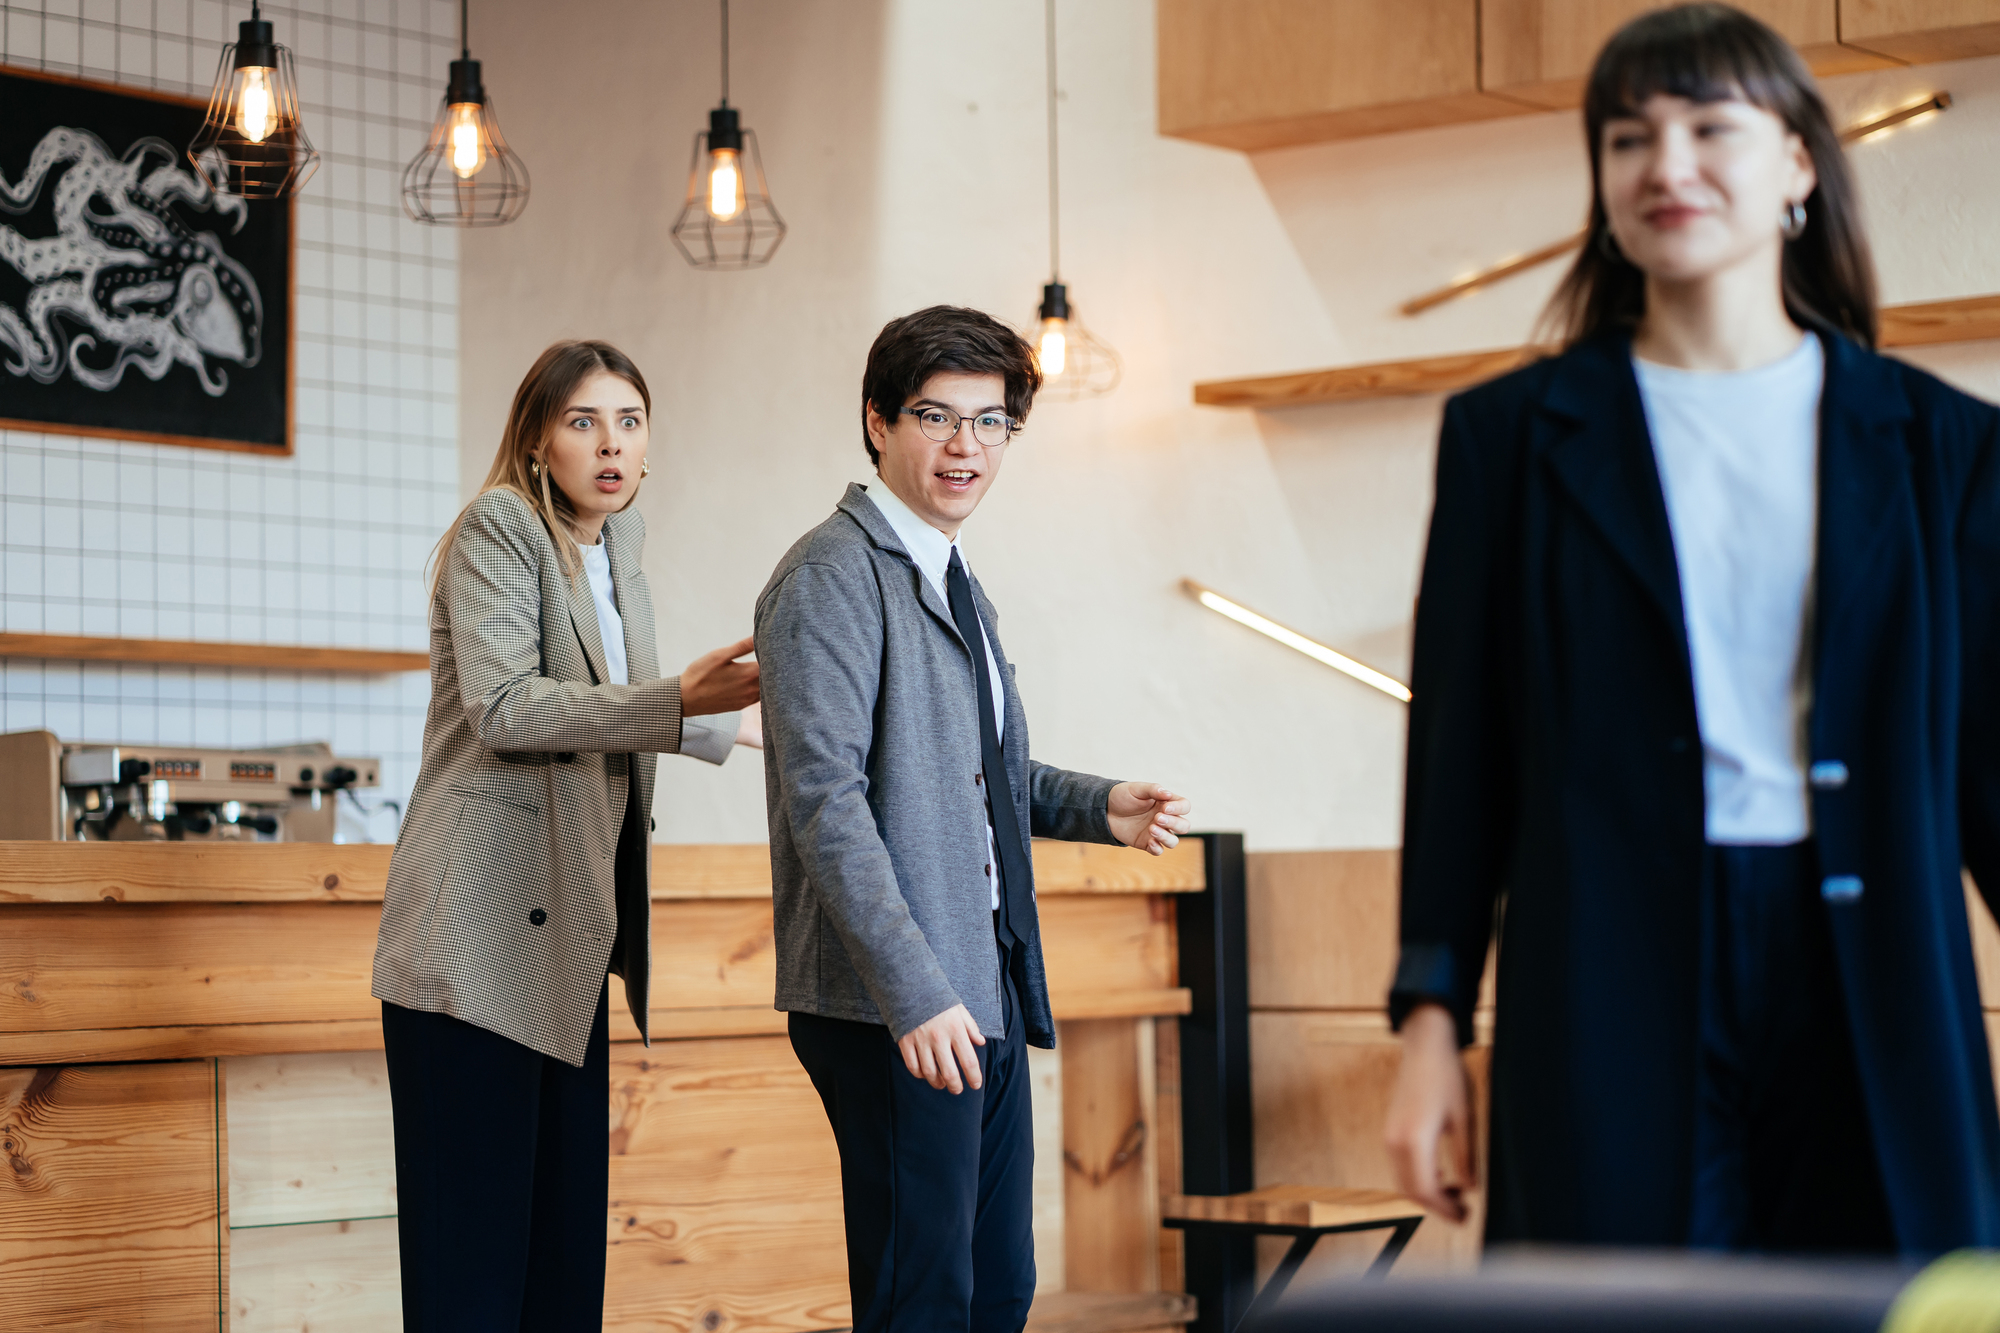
[1111, 1196]
[1110, 1312]
[1322, 928]
[272, 872]
[1923, 30]
[310, 1138]
[725, 1192]
[1320, 1085]
[324, 1277]
[97, 1045]
[110, 1214]
[1294, 1206]
[90, 648]
[1965, 319]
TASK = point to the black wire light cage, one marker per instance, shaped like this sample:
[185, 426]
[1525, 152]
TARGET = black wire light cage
[466, 175]
[251, 143]
[1075, 362]
[728, 220]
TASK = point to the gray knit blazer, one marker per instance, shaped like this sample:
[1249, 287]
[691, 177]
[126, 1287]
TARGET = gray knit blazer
[504, 890]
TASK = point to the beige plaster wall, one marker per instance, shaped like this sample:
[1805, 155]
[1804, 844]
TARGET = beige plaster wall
[904, 144]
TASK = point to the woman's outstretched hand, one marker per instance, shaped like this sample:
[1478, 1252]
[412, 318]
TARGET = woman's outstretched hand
[1429, 1131]
[717, 683]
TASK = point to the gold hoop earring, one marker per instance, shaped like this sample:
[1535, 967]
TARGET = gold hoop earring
[534, 467]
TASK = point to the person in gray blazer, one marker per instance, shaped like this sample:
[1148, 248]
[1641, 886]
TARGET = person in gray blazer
[901, 799]
[520, 878]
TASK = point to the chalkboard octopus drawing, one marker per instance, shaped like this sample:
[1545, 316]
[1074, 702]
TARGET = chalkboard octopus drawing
[124, 283]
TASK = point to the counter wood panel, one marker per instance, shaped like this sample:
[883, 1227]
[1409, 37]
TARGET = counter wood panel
[309, 1139]
[111, 1212]
[327, 1277]
[289, 872]
[725, 1192]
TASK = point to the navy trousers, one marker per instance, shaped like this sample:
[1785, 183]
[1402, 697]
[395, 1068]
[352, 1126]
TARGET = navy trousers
[502, 1174]
[937, 1190]
[1784, 1158]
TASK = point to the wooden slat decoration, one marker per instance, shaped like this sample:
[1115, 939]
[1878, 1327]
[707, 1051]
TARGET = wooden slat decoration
[725, 1192]
[309, 1138]
[185, 965]
[1049, 1221]
[192, 652]
[326, 1277]
[186, 1042]
[109, 1211]
[1967, 319]
[283, 872]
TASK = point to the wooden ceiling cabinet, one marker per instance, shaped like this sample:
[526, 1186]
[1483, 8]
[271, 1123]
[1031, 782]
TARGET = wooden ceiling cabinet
[1918, 31]
[1540, 51]
[1256, 74]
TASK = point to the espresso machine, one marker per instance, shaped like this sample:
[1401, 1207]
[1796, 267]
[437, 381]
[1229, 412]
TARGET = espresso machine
[173, 793]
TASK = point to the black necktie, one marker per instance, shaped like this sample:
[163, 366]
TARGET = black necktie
[1017, 906]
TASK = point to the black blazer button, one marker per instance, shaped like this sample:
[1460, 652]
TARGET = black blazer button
[566, 757]
[537, 917]
[978, 779]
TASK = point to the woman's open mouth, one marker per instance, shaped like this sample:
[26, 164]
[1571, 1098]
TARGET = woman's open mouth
[610, 481]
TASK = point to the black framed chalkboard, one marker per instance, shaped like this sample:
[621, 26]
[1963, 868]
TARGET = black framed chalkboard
[134, 302]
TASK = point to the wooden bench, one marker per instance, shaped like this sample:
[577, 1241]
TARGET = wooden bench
[1303, 1212]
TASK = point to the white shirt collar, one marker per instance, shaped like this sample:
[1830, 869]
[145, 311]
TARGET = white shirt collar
[930, 548]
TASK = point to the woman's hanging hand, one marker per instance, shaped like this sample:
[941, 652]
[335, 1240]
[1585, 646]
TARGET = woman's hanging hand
[1429, 1131]
[717, 683]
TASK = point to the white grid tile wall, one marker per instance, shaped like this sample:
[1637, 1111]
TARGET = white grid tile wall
[326, 547]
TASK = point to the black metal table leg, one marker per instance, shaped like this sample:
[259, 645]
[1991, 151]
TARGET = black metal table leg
[1288, 1267]
[1393, 1250]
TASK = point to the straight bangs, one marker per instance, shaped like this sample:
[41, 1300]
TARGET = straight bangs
[1710, 53]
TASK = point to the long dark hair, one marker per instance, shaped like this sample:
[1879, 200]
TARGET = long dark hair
[518, 464]
[1707, 53]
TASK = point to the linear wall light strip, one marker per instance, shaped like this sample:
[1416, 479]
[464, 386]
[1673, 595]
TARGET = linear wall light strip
[1507, 268]
[1291, 638]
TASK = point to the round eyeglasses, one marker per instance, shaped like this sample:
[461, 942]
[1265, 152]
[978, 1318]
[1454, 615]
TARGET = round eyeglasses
[990, 429]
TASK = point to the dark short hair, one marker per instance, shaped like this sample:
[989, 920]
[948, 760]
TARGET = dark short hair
[911, 349]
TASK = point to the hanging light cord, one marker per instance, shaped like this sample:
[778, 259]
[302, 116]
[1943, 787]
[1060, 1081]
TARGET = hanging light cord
[1055, 229]
[725, 52]
[465, 29]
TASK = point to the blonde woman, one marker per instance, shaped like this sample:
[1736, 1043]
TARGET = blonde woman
[520, 878]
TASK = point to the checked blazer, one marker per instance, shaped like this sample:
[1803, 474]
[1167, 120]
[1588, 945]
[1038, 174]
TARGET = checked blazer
[508, 884]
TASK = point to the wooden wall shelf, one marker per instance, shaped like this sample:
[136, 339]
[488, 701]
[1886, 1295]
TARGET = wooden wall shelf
[1924, 324]
[188, 652]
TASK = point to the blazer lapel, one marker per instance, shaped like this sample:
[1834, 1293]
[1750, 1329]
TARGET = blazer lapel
[1593, 433]
[583, 617]
[1864, 473]
[857, 506]
[635, 606]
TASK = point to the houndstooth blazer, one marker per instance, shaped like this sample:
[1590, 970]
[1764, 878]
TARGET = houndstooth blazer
[508, 884]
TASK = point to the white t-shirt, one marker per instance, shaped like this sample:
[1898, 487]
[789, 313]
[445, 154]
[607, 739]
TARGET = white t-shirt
[932, 550]
[610, 625]
[1738, 454]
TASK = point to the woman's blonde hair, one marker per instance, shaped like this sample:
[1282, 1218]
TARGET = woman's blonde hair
[519, 465]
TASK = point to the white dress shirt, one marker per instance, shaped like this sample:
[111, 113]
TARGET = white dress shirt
[610, 625]
[932, 550]
[1738, 455]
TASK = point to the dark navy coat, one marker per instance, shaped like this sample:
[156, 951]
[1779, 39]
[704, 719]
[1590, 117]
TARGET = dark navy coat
[1555, 768]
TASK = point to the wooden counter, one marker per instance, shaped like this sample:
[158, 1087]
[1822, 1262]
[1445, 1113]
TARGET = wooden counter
[193, 1099]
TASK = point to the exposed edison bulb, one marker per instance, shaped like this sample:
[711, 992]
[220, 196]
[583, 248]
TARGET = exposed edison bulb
[1054, 343]
[468, 145]
[256, 109]
[725, 184]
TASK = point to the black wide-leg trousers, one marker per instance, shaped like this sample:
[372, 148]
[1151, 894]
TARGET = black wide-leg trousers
[502, 1175]
[937, 1190]
[1784, 1157]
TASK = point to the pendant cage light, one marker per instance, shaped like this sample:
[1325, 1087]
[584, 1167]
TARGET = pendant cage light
[728, 220]
[466, 175]
[251, 143]
[1075, 362]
